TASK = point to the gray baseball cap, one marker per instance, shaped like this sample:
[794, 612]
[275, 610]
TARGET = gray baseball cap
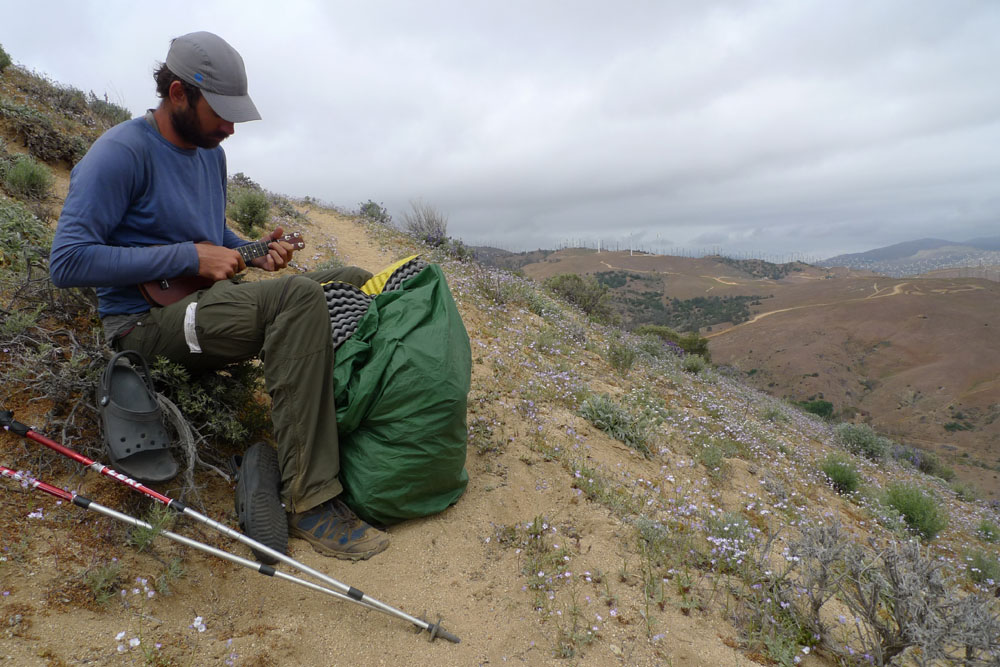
[207, 61]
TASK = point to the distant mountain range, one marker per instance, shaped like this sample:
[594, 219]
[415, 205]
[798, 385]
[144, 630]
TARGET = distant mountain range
[913, 258]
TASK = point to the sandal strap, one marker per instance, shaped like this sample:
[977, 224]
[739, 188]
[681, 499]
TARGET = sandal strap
[144, 375]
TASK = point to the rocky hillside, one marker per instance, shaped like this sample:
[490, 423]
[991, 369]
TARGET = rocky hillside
[924, 256]
[626, 506]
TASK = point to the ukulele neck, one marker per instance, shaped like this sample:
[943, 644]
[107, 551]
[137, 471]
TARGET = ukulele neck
[253, 250]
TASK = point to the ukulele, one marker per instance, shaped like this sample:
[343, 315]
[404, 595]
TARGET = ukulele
[165, 292]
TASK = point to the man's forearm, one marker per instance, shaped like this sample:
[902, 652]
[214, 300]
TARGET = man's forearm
[94, 265]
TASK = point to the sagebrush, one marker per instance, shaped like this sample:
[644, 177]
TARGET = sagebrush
[426, 223]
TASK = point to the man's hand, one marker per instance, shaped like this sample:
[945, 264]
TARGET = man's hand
[279, 254]
[217, 262]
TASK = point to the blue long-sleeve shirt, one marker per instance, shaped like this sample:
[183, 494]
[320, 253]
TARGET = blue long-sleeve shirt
[136, 206]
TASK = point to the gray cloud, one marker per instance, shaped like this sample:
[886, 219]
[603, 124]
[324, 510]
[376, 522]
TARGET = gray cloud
[780, 127]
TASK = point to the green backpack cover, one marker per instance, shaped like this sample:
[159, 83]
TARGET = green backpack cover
[401, 388]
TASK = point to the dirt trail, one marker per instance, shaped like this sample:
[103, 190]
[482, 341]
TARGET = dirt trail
[878, 294]
[352, 242]
[720, 280]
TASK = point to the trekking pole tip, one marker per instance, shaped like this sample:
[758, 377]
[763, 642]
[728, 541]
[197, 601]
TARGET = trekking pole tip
[444, 634]
[437, 631]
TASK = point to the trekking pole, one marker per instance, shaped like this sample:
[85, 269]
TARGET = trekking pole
[89, 504]
[8, 423]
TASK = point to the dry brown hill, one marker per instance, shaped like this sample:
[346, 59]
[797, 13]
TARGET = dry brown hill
[917, 358]
[625, 507]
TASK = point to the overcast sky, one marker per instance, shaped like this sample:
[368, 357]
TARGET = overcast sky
[786, 127]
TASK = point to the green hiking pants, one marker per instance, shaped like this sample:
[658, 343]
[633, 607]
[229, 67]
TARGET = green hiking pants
[286, 322]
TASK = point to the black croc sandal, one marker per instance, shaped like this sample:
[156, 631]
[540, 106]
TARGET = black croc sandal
[258, 501]
[134, 434]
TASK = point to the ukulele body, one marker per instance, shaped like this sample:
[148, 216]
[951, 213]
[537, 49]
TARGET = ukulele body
[167, 291]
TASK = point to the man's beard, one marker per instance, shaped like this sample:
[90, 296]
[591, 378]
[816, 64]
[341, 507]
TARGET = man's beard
[187, 125]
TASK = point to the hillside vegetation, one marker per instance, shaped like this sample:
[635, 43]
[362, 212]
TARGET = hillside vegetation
[905, 356]
[627, 504]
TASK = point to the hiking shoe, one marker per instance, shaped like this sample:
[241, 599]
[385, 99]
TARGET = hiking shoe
[334, 530]
[258, 503]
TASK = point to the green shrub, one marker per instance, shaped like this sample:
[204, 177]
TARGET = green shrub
[965, 491]
[862, 440]
[923, 460]
[332, 262]
[20, 230]
[283, 207]
[109, 112]
[712, 457]
[618, 421]
[222, 406]
[773, 413]
[67, 99]
[694, 364]
[983, 568]
[988, 531]
[103, 581]
[159, 519]
[929, 463]
[28, 179]
[241, 180]
[373, 212]
[818, 407]
[654, 347]
[455, 249]
[4, 60]
[691, 343]
[951, 427]
[250, 210]
[920, 511]
[426, 223]
[841, 473]
[586, 293]
[40, 135]
[621, 356]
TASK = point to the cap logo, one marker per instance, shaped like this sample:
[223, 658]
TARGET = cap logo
[199, 77]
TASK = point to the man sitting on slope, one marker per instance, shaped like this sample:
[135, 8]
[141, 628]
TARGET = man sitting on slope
[148, 203]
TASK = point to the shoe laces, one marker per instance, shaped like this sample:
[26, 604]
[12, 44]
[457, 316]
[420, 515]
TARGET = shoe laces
[342, 511]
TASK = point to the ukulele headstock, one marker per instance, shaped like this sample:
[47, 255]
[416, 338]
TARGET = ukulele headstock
[294, 239]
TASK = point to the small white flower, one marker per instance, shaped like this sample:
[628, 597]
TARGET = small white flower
[120, 636]
[133, 642]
